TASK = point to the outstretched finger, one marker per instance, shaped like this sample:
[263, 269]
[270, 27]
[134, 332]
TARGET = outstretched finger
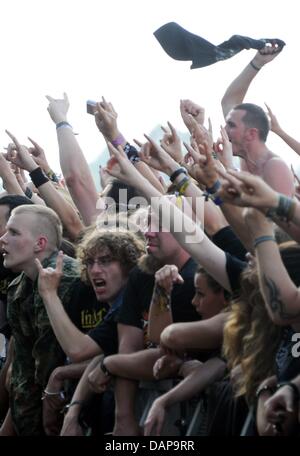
[59, 262]
[50, 99]
[210, 126]
[39, 265]
[34, 143]
[138, 143]
[66, 97]
[173, 130]
[13, 138]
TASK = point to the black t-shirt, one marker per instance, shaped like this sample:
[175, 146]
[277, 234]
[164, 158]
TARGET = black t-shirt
[83, 308]
[234, 268]
[227, 240]
[138, 294]
[105, 334]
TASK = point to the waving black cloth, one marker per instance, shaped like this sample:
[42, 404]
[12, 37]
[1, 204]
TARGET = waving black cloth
[183, 45]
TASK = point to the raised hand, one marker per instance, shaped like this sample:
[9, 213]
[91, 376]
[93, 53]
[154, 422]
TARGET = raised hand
[246, 190]
[223, 149]
[39, 156]
[266, 54]
[49, 278]
[156, 157]
[167, 276]
[106, 120]
[202, 134]
[274, 124]
[189, 108]
[204, 168]
[19, 154]
[171, 143]
[58, 108]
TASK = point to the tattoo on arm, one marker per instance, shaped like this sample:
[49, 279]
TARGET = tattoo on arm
[275, 301]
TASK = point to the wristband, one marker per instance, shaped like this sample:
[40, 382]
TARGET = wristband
[52, 176]
[63, 124]
[46, 393]
[182, 185]
[296, 392]
[66, 407]
[214, 188]
[118, 141]
[104, 368]
[261, 239]
[38, 177]
[254, 66]
[176, 173]
[217, 200]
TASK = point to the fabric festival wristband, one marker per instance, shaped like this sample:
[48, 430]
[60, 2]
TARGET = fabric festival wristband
[118, 141]
[38, 177]
[214, 188]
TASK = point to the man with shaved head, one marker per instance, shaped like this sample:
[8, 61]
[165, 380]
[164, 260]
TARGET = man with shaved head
[33, 232]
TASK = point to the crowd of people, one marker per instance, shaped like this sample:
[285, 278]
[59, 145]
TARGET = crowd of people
[185, 267]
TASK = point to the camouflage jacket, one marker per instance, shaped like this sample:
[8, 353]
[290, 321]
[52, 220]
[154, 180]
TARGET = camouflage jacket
[37, 351]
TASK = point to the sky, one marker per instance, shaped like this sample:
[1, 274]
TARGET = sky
[92, 48]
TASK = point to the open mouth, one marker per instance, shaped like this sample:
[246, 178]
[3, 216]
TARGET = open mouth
[99, 284]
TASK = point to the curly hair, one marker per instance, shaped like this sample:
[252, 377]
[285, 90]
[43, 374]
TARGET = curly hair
[123, 246]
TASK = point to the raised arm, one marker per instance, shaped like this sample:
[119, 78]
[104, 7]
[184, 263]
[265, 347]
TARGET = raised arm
[9, 180]
[106, 121]
[281, 295]
[278, 130]
[77, 346]
[47, 191]
[191, 237]
[160, 310]
[73, 163]
[237, 90]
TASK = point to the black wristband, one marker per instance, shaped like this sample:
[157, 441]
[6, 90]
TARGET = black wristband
[104, 368]
[38, 177]
[176, 173]
[294, 387]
